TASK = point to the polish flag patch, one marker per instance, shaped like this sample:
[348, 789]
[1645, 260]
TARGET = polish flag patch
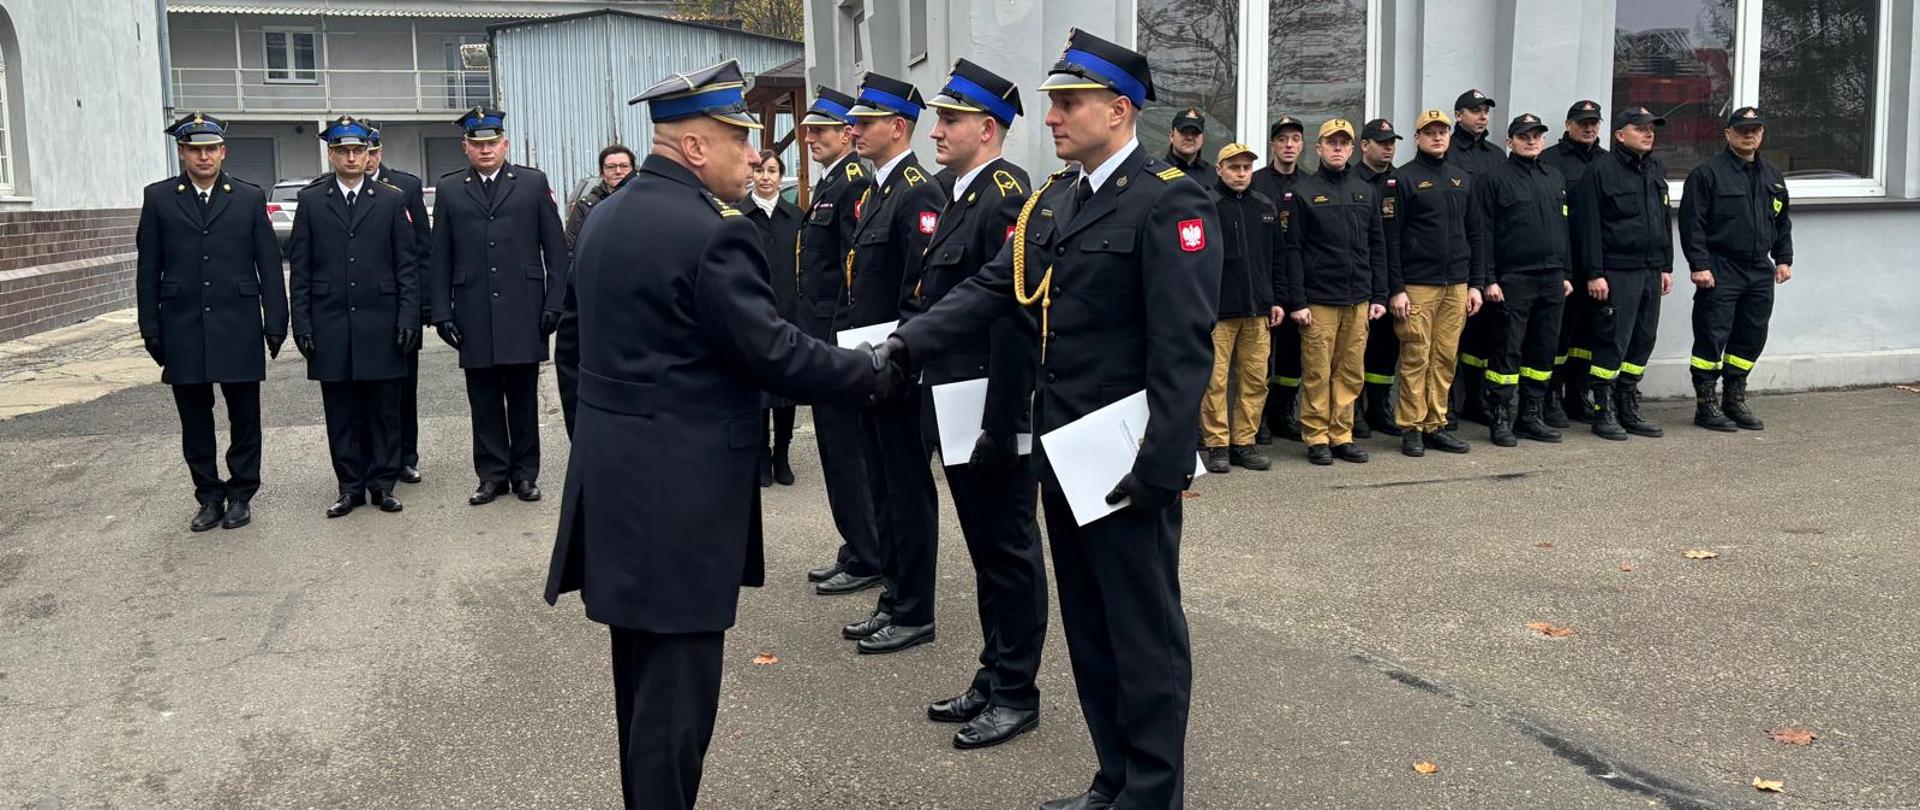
[1193, 235]
[928, 222]
[1010, 230]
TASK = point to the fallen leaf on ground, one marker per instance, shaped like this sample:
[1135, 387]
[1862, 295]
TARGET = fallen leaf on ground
[1792, 736]
[1626, 566]
[766, 659]
[1909, 389]
[1550, 630]
[1425, 767]
[1769, 785]
[1701, 554]
[1189, 494]
[1543, 545]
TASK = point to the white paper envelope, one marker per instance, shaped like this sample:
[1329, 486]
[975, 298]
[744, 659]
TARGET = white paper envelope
[957, 409]
[1091, 454]
[872, 335]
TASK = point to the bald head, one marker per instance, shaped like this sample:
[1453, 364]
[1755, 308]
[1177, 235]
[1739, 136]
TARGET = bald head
[718, 153]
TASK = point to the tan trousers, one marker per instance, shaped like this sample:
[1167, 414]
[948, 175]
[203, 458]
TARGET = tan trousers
[1429, 341]
[1240, 348]
[1333, 352]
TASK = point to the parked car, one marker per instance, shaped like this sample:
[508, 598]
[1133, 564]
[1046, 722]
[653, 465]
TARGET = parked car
[281, 203]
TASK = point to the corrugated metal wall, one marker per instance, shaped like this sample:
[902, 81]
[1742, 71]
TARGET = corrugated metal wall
[565, 84]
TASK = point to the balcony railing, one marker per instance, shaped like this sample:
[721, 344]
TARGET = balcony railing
[328, 91]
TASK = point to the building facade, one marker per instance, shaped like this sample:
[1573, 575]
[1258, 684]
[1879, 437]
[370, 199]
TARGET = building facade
[80, 119]
[1836, 77]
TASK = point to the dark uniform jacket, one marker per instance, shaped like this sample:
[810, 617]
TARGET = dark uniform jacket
[1200, 170]
[1136, 278]
[897, 220]
[780, 236]
[497, 264]
[1253, 267]
[208, 284]
[1386, 188]
[577, 212]
[1572, 158]
[1335, 240]
[825, 240]
[422, 230]
[972, 230]
[1523, 204]
[1438, 231]
[1620, 216]
[660, 516]
[1734, 216]
[354, 282]
[1474, 154]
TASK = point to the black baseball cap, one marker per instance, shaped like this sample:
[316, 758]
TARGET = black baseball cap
[1474, 98]
[1379, 129]
[1285, 122]
[1746, 117]
[1190, 118]
[1526, 122]
[1585, 110]
[1636, 115]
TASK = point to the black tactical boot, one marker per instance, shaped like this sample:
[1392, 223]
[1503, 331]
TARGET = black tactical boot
[1530, 424]
[1248, 457]
[1706, 408]
[1473, 396]
[1626, 401]
[1280, 415]
[1733, 400]
[1217, 461]
[1554, 413]
[1379, 411]
[1578, 403]
[1605, 425]
[1413, 444]
[1499, 407]
[1360, 429]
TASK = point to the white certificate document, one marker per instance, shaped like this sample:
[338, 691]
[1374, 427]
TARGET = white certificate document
[872, 335]
[957, 409]
[1091, 454]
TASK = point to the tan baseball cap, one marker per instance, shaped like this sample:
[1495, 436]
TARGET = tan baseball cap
[1337, 125]
[1429, 117]
[1232, 150]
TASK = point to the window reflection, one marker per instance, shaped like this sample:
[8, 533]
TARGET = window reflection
[1817, 86]
[1676, 58]
[1193, 47]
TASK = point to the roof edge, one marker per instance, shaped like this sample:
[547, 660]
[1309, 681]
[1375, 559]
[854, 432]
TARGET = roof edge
[601, 12]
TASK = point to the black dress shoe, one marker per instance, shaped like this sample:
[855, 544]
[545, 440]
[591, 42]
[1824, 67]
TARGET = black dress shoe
[994, 726]
[825, 572]
[238, 514]
[957, 709]
[526, 490]
[845, 583]
[867, 626]
[895, 637]
[409, 474]
[347, 503]
[1090, 800]
[384, 500]
[209, 516]
[487, 491]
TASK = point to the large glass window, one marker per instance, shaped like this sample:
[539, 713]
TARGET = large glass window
[292, 56]
[1194, 47]
[1676, 58]
[1317, 58]
[1818, 86]
[6, 132]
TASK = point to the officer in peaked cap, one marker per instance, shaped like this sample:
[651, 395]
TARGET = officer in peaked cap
[825, 240]
[499, 271]
[1116, 256]
[421, 221]
[355, 290]
[210, 300]
[994, 489]
[660, 515]
[897, 218]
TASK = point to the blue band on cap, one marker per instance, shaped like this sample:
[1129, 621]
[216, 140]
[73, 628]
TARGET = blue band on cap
[725, 99]
[970, 90]
[830, 107]
[353, 130]
[1123, 82]
[888, 101]
[488, 122]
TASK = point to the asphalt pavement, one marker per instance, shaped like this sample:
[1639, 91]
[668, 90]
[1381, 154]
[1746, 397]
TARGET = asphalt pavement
[1347, 622]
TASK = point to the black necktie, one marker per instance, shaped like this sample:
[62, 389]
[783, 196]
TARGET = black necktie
[205, 197]
[486, 185]
[1082, 192]
[350, 197]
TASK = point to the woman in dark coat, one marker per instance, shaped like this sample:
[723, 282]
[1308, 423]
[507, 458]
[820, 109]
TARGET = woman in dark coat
[779, 223]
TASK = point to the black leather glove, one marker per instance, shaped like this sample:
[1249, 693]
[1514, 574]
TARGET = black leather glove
[1145, 496]
[549, 322]
[154, 350]
[406, 338]
[274, 342]
[995, 451]
[891, 377]
[305, 344]
[449, 333]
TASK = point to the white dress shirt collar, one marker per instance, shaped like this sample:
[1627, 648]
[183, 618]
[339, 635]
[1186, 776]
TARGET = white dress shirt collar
[1098, 177]
[881, 174]
[966, 180]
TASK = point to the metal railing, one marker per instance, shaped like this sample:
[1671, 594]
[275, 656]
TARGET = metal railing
[326, 91]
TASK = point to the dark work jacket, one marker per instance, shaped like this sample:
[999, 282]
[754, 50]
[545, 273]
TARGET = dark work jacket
[1438, 232]
[422, 223]
[660, 513]
[208, 284]
[1200, 170]
[497, 264]
[780, 236]
[1620, 217]
[1386, 189]
[1335, 240]
[1253, 265]
[972, 231]
[825, 240]
[1572, 159]
[1473, 154]
[354, 282]
[896, 222]
[1735, 215]
[1523, 204]
[1135, 283]
[1274, 184]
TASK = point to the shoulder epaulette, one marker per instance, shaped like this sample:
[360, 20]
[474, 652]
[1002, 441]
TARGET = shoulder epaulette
[1170, 174]
[853, 170]
[913, 176]
[320, 181]
[391, 186]
[1008, 185]
[452, 173]
[723, 209]
[232, 179]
